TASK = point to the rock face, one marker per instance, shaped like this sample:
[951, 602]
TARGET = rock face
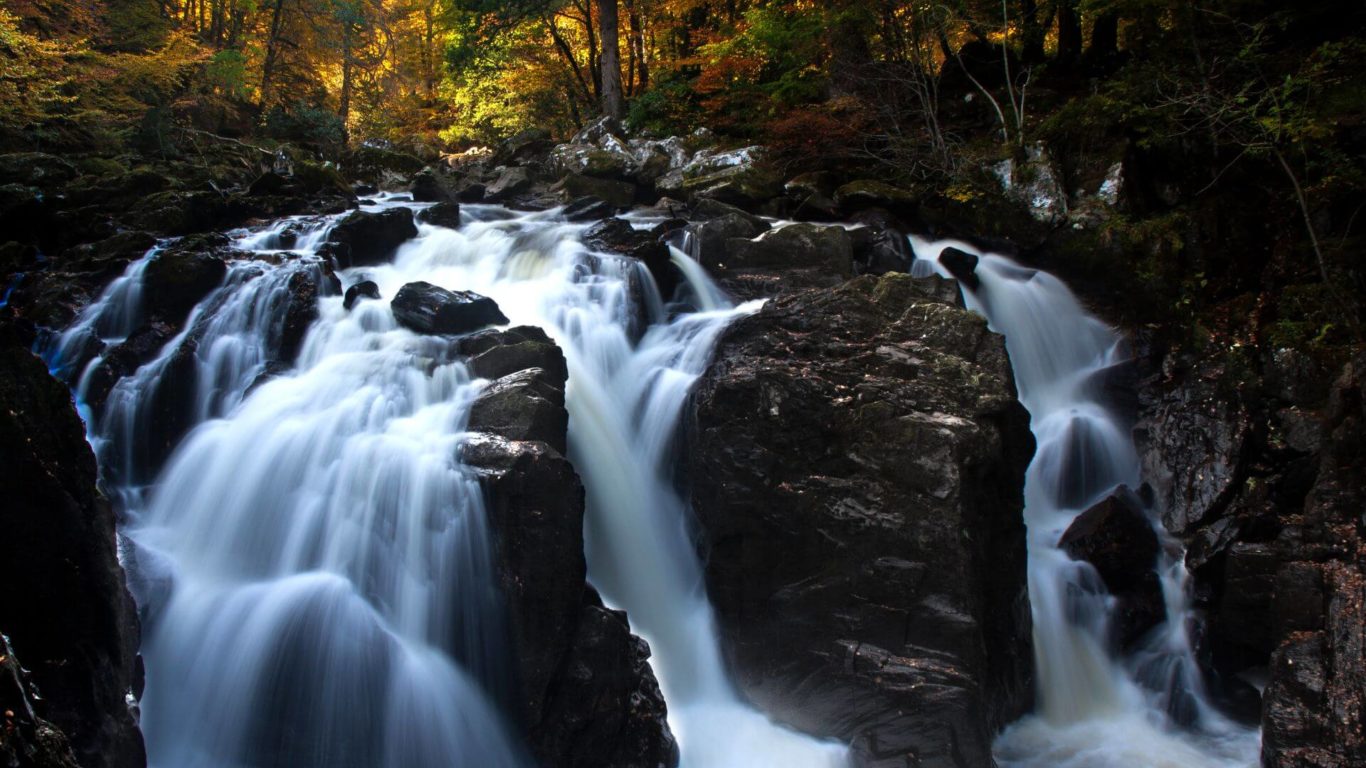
[427, 308]
[589, 697]
[1264, 481]
[883, 417]
[443, 214]
[370, 238]
[64, 605]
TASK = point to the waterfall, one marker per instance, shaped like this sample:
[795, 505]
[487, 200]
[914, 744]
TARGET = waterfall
[1094, 710]
[312, 562]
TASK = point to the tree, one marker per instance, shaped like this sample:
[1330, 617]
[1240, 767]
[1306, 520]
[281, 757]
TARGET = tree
[612, 103]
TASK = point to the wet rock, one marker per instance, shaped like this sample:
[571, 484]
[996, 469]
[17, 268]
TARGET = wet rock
[268, 183]
[738, 177]
[177, 279]
[795, 246]
[711, 236]
[301, 309]
[445, 214]
[140, 347]
[426, 308]
[1116, 537]
[880, 245]
[510, 182]
[365, 289]
[526, 405]
[365, 238]
[620, 194]
[588, 208]
[593, 161]
[885, 418]
[618, 236]
[589, 697]
[181, 213]
[30, 740]
[962, 265]
[64, 605]
[428, 187]
[1193, 444]
[494, 354]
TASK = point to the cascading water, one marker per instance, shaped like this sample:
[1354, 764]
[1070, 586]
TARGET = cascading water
[1095, 711]
[311, 562]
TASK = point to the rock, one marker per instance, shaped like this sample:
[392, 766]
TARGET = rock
[711, 236]
[426, 308]
[589, 697]
[588, 208]
[445, 214]
[962, 265]
[36, 169]
[868, 193]
[365, 238]
[1193, 444]
[795, 246]
[620, 194]
[593, 161]
[1117, 539]
[619, 237]
[30, 740]
[523, 146]
[427, 187]
[177, 279]
[301, 309]
[494, 354]
[1035, 185]
[182, 213]
[365, 289]
[381, 166]
[880, 245]
[268, 183]
[886, 419]
[814, 183]
[64, 605]
[738, 177]
[141, 346]
[598, 130]
[22, 211]
[510, 182]
[526, 405]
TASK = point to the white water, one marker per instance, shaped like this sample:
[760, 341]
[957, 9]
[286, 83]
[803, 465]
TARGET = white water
[312, 563]
[1094, 710]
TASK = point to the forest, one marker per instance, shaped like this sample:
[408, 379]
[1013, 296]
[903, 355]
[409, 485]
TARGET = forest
[706, 383]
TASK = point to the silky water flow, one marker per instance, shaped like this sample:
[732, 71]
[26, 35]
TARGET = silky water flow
[311, 560]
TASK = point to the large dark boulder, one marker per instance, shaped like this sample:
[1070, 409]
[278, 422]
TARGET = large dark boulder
[178, 279]
[443, 214]
[884, 418]
[63, 605]
[494, 354]
[427, 308]
[365, 289]
[1116, 537]
[429, 187]
[526, 405]
[795, 246]
[589, 697]
[365, 238]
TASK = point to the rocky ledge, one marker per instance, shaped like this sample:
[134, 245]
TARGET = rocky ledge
[857, 461]
[64, 606]
[589, 697]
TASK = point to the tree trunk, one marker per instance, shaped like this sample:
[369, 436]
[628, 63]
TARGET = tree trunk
[612, 103]
[272, 50]
[638, 45]
[344, 108]
[1069, 31]
[1032, 32]
[1104, 36]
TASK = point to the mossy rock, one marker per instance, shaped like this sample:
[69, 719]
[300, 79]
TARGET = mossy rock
[869, 193]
